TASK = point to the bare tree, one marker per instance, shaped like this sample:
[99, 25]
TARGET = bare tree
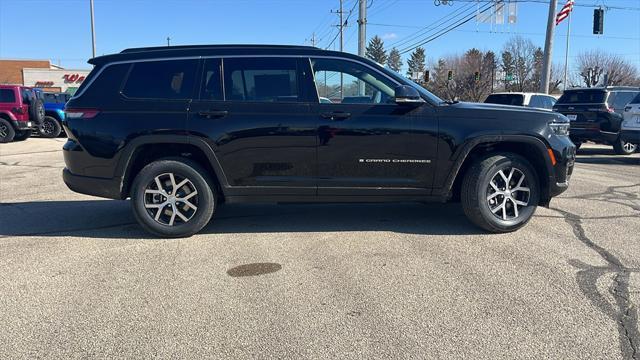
[523, 52]
[599, 68]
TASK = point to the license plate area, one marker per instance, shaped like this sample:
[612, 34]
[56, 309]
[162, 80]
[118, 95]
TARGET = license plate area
[572, 117]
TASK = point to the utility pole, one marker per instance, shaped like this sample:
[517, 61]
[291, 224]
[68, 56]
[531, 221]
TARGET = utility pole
[313, 40]
[168, 41]
[362, 27]
[93, 33]
[341, 33]
[362, 37]
[548, 48]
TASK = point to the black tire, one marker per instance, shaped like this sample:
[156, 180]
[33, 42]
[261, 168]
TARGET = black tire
[22, 135]
[50, 127]
[476, 190]
[181, 169]
[624, 148]
[36, 111]
[578, 145]
[7, 133]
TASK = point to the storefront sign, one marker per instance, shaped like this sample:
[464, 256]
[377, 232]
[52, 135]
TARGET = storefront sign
[73, 78]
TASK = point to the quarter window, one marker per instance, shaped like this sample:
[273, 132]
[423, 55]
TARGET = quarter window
[7, 96]
[347, 82]
[172, 79]
[211, 81]
[264, 79]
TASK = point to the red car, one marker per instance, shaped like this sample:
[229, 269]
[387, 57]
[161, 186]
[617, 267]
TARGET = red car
[20, 112]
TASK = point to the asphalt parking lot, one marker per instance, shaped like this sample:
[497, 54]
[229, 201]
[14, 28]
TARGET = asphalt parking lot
[79, 278]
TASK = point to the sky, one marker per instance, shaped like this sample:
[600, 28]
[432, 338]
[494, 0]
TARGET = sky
[59, 30]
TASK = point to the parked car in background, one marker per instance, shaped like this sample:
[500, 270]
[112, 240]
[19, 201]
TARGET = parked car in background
[54, 108]
[21, 110]
[534, 100]
[596, 115]
[181, 129]
[630, 130]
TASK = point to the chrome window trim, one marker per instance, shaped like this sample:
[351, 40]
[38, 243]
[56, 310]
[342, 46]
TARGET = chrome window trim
[132, 61]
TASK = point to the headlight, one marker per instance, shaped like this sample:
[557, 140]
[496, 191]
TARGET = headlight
[560, 129]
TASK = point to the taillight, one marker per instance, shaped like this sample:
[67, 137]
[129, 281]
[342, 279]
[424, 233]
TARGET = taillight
[81, 113]
[18, 110]
[610, 109]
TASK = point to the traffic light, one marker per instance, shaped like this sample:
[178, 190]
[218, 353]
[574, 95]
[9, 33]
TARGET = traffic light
[476, 76]
[450, 75]
[598, 21]
[426, 76]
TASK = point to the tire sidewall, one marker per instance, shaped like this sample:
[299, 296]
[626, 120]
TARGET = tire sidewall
[488, 174]
[56, 127]
[185, 168]
[11, 133]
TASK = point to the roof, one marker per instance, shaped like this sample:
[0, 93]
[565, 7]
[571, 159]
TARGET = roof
[213, 50]
[519, 93]
[602, 88]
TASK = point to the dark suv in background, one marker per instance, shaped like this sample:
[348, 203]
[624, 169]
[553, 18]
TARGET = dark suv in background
[181, 129]
[596, 114]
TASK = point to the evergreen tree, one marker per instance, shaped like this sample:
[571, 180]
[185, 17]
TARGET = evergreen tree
[375, 50]
[508, 67]
[394, 61]
[416, 63]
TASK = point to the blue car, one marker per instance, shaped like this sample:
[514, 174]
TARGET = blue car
[54, 114]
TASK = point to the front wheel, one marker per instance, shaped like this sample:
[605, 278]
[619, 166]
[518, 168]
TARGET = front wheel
[500, 192]
[50, 127]
[22, 135]
[624, 148]
[173, 198]
[7, 133]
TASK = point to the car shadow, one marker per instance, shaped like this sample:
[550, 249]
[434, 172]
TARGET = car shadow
[112, 219]
[605, 156]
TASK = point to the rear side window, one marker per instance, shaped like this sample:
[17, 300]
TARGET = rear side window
[7, 96]
[620, 99]
[261, 79]
[582, 97]
[105, 87]
[172, 79]
[636, 100]
[505, 99]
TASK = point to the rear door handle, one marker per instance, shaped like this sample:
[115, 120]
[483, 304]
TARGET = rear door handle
[213, 114]
[336, 115]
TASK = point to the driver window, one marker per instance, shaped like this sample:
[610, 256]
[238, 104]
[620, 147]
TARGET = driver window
[346, 82]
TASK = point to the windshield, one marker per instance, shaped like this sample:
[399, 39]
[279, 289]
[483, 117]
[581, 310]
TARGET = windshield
[505, 99]
[424, 92]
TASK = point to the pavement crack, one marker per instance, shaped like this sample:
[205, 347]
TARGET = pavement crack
[626, 315]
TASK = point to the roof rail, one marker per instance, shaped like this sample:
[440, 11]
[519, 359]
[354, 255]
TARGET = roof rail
[196, 47]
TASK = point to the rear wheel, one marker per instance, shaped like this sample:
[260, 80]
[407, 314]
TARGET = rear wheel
[173, 198]
[500, 192]
[622, 147]
[50, 127]
[22, 135]
[6, 131]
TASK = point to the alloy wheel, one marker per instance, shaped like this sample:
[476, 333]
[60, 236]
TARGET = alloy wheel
[171, 199]
[629, 147]
[508, 194]
[47, 127]
[3, 130]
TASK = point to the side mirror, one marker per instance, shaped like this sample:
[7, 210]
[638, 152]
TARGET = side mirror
[405, 94]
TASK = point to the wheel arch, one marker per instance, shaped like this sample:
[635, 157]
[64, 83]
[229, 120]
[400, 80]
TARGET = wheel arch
[146, 149]
[7, 115]
[531, 148]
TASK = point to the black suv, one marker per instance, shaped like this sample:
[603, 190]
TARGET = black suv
[181, 129]
[596, 115]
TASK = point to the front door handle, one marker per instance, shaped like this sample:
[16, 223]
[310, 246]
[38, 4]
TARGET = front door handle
[213, 114]
[336, 115]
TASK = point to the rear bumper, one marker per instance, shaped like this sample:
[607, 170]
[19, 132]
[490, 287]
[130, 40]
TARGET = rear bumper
[632, 136]
[593, 134]
[106, 188]
[24, 125]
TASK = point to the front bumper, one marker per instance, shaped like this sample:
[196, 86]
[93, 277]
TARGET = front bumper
[631, 136]
[564, 152]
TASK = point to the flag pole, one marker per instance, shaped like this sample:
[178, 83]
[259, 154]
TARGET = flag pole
[566, 54]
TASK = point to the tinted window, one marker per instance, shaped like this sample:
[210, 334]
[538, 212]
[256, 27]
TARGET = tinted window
[7, 96]
[636, 100]
[505, 99]
[264, 79]
[582, 97]
[211, 81]
[172, 79]
[537, 101]
[620, 99]
[105, 87]
[347, 82]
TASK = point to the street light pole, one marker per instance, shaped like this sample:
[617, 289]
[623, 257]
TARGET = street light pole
[93, 32]
[548, 48]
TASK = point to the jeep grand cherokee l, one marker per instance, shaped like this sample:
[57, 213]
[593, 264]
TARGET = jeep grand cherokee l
[596, 114]
[181, 129]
